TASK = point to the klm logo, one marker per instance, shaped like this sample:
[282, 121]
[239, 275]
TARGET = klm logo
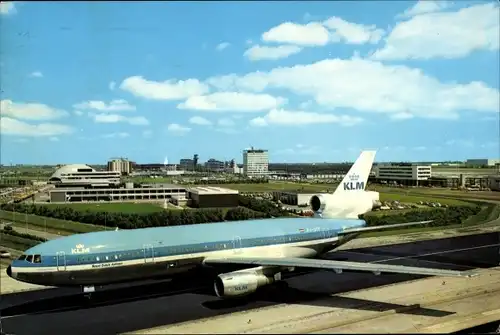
[80, 249]
[353, 184]
[241, 288]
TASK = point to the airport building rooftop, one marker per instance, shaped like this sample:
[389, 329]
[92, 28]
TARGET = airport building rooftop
[211, 190]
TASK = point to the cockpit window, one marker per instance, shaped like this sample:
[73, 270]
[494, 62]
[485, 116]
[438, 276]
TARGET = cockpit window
[30, 258]
[37, 259]
[22, 258]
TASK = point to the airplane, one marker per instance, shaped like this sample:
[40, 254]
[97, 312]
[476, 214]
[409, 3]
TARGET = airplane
[239, 256]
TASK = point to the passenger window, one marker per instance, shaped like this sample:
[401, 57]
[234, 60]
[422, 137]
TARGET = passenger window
[30, 258]
[22, 258]
[107, 258]
[97, 258]
[37, 259]
[116, 257]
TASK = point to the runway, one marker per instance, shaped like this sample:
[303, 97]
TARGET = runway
[126, 309]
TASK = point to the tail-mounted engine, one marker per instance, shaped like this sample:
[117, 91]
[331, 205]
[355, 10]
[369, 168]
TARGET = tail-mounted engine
[344, 205]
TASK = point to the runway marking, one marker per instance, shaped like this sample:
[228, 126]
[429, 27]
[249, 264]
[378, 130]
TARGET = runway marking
[436, 262]
[428, 254]
[439, 252]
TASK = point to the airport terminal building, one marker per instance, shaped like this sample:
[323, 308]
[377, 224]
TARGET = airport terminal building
[153, 194]
[81, 183]
[84, 176]
[403, 173]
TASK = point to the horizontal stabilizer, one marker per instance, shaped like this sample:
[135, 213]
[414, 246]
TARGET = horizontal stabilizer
[384, 227]
[338, 266]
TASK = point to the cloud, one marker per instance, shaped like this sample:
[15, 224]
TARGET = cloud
[78, 113]
[461, 143]
[353, 33]
[402, 116]
[300, 149]
[36, 74]
[222, 46]
[300, 118]
[424, 7]
[225, 122]
[310, 34]
[225, 130]
[318, 33]
[112, 85]
[233, 102]
[166, 90]
[9, 126]
[258, 52]
[114, 118]
[30, 111]
[369, 86]
[116, 135]
[201, 121]
[113, 106]
[444, 35]
[7, 7]
[177, 129]
[491, 144]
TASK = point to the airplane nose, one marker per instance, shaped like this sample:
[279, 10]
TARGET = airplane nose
[9, 271]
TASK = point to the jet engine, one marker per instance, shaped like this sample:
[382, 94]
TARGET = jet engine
[240, 283]
[345, 205]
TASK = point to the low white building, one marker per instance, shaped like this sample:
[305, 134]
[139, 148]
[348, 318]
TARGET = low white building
[403, 172]
[482, 162]
[80, 175]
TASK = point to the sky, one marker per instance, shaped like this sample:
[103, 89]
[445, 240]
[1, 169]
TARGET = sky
[82, 82]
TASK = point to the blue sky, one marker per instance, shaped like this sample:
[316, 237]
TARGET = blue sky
[310, 81]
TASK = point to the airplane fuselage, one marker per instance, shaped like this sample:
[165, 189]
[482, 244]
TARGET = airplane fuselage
[109, 257]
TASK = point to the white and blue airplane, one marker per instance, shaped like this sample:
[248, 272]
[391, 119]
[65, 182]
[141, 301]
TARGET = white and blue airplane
[258, 251]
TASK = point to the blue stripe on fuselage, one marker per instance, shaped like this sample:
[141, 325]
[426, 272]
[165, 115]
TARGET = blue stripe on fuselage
[117, 250]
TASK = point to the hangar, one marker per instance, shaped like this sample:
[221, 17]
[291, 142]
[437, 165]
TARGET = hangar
[210, 197]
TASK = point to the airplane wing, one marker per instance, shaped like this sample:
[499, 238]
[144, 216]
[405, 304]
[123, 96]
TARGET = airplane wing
[355, 231]
[337, 266]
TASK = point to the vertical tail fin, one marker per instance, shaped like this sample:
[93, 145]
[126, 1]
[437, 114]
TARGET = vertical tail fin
[355, 180]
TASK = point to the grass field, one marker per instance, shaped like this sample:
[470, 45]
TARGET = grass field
[438, 192]
[120, 207]
[56, 226]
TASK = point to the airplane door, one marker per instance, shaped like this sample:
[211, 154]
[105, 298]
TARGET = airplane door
[149, 256]
[237, 245]
[61, 261]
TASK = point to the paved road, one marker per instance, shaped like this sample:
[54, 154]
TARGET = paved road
[34, 232]
[456, 253]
